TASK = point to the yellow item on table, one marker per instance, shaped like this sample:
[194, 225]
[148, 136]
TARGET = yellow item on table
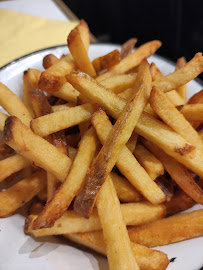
[21, 34]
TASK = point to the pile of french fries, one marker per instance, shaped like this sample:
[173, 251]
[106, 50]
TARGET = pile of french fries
[111, 151]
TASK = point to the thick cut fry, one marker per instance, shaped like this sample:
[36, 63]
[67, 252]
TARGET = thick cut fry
[118, 247]
[119, 83]
[192, 112]
[178, 173]
[127, 94]
[168, 230]
[173, 118]
[71, 222]
[11, 165]
[62, 107]
[182, 76]
[33, 76]
[83, 31]
[170, 142]
[65, 194]
[148, 161]
[131, 144]
[182, 90]
[126, 161]
[26, 94]
[125, 191]
[147, 259]
[147, 125]
[60, 120]
[49, 60]
[35, 148]
[127, 47]
[179, 202]
[106, 61]
[117, 138]
[132, 60]
[79, 53]
[22, 192]
[13, 105]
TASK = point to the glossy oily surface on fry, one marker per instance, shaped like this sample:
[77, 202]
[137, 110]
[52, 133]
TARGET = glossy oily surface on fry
[52, 252]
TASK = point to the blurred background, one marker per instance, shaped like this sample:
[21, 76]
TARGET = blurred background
[177, 23]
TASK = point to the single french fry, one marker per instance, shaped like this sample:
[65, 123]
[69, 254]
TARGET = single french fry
[118, 247]
[70, 222]
[179, 202]
[181, 76]
[178, 173]
[192, 112]
[127, 47]
[79, 53]
[132, 60]
[106, 61]
[13, 105]
[196, 98]
[84, 33]
[35, 148]
[11, 165]
[127, 94]
[49, 60]
[149, 162]
[26, 94]
[131, 144]
[147, 259]
[62, 107]
[125, 191]
[117, 138]
[33, 76]
[119, 83]
[138, 177]
[60, 120]
[168, 230]
[182, 90]
[173, 118]
[65, 194]
[22, 192]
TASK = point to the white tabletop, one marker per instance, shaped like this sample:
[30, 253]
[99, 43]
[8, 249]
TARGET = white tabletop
[43, 8]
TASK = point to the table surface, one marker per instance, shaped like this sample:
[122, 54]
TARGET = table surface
[43, 8]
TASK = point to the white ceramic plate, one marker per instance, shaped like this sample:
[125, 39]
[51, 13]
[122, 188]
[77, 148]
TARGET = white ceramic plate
[21, 252]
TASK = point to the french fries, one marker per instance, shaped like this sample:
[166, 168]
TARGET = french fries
[88, 134]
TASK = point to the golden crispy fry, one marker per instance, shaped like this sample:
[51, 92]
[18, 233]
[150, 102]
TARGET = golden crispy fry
[60, 120]
[196, 98]
[13, 105]
[118, 247]
[132, 60]
[170, 142]
[65, 194]
[168, 230]
[62, 107]
[179, 202]
[178, 173]
[11, 165]
[36, 208]
[127, 47]
[106, 61]
[146, 258]
[35, 148]
[49, 60]
[79, 53]
[117, 138]
[127, 94]
[173, 118]
[22, 192]
[26, 94]
[138, 177]
[148, 161]
[182, 90]
[83, 31]
[192, 112]
[125, 191]
[131, 144]
[133, 213]
[182, 76]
